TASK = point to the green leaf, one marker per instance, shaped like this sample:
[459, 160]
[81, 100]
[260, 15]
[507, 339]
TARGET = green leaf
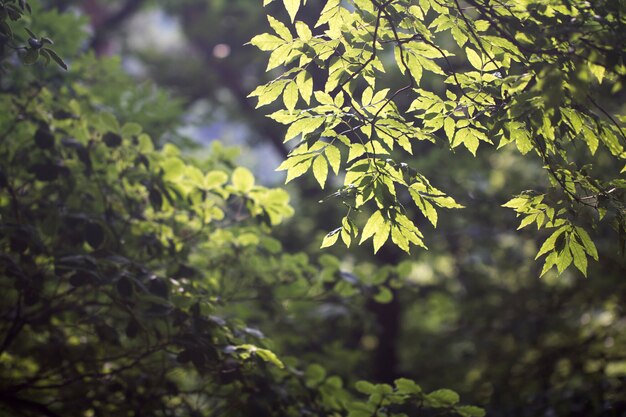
[591, 138]
[580, 258]
[314, 375]
[194, 175]
[109, 121]
[470, 411]
[331, 238]
[549, 263]
[45, 55]
[474, 58]
[30, 57]
[173, 168]
[356, 150]
[550, 242]
[449, 127]
[459, 36]
[384, 295]
[298, 169]
[442, 398]
[527, 220]
[564, 259]
[304, 81]
[131, 129]
[303, 31]
[334, 157]
[269, 356]
[517, 203]
[292, 7]
[328, 12]
[268, 93]
[320, 169]
[347, 231]
[280, 29]
[597, 70]
[280, 56]
[381, 236]
[373, 225]
[303, 126]
[290, 96]
[56, 58]
[425, 207]
[267, 42]
[243, 180]
[406, 386]
[365, 387]
[588, 244]
[468, 137]
[214, 179]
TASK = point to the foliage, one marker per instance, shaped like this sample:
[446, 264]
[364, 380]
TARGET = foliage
[124, 266]
[529, 73]
[36, 47]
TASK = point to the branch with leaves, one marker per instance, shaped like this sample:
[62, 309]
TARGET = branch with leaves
[476, 73]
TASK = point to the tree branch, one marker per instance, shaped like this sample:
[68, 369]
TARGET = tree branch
[19, 404]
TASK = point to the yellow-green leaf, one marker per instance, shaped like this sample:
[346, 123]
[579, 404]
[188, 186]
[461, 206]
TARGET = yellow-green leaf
[334, 157]
[292, 7]
[331, 238]
[588, 244]
[214, 179]
[375, 222]
[580, 258]
[173, 168]
[550, 242]
[346, 237]
[597, 70]
[550, 262]
[328, 12]
[290, 96]
[381, 236]
[242, 179]
[298, 169]
[303, 31]
[280, 28]
[304, 81]
[269, 356]
[449, 127]
[320, 169]
[474, 58]
[564, 259]
[356, 150]
[266, 42]
[303, 126]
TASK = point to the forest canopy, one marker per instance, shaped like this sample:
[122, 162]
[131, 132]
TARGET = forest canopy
[144, 274]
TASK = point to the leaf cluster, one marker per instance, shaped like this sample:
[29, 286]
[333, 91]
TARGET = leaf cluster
[525, 73]
[36, 47]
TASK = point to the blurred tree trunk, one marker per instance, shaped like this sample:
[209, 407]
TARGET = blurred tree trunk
[104, 21]
[388, 317]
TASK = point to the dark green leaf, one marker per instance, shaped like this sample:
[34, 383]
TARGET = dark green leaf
[112, 140]
[56, 58]
[94, 234]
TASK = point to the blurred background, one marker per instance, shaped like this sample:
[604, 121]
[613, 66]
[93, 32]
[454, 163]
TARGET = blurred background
[473, 316]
